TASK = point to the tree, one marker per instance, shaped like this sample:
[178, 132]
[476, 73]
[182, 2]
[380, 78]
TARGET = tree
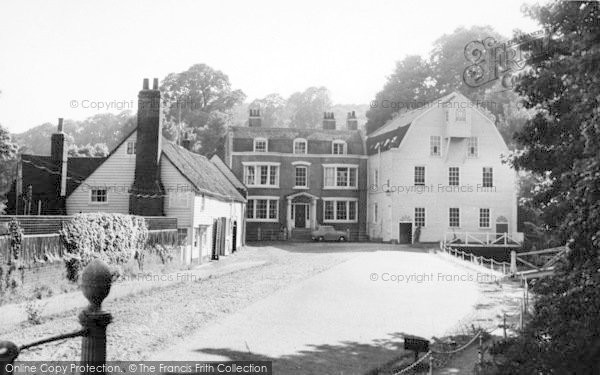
[98, 150]
[8, 149]
[561, 146]
[211, 138]
[273, 109]
[8, 153]
[306, 108]
[190, 97]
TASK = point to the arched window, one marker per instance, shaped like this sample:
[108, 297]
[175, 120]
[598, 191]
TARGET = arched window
[300, 146]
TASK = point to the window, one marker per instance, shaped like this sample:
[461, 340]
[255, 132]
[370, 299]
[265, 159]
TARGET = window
[299, 146]
[488, 177]
[461, 114]
[262, 208]
[99, 196]
[338, 148]
[435, 145]
[375, 213]
[131, 147]
[376, 177]
[258, 174]
[454, 217]
[301, 176]
[260, 145]
[472, 151]
[340, 177]
[453, 176]
[420, 176]
[419, 216]
[484, 217]
[203, 203]
[340, 210]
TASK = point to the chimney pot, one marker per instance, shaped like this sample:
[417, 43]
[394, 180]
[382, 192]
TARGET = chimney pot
[145, 87]
[60, 124]
[155, 84]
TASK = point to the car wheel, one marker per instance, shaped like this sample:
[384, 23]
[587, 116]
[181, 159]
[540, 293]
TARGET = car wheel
[342, 239]
[321, 239]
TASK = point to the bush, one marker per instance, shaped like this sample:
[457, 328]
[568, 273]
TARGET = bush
[13, 272]
[113, 238]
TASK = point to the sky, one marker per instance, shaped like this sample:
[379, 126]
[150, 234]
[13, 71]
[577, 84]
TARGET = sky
[69, 58]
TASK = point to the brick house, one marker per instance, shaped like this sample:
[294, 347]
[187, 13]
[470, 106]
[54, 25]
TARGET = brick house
[439, 168]
[146, 175]
[297, 179]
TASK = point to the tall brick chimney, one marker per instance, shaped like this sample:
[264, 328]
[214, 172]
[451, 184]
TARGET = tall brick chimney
[328, 121]
[58, 153]
[147, 196]
[352, 121]
[254, 120]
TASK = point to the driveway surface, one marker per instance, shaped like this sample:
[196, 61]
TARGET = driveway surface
[346, 320]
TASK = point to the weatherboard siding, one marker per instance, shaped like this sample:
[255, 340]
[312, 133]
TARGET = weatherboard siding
[116, 175]
[176, 184]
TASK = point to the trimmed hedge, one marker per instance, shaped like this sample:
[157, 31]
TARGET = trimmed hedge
[114, 238]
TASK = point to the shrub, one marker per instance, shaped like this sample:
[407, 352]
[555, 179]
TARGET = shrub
[114, 238]
[13, 272]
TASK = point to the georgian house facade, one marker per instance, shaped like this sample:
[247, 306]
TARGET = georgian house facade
[440, 168]
[298, 179]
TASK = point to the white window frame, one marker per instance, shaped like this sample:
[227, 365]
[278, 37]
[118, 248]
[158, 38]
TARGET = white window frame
[415, 175]
[339, 142]
[435, 140]
[489, 218]
[459, 218]
[269, 199]
[460, 114]
[470, 142]
[260, 139]
[131, 147]
[296, 186]
[96, 189]
[458, 176]
[256, 166]
[335, 201]
[483, 177]
[298, 141]
[424, 217]
[335, 171]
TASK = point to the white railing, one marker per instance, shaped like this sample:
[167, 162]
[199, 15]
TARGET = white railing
[494, 265]
[482, 239]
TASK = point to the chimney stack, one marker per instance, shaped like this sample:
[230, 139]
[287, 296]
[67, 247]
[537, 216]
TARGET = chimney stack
[58, 154]
[352, 121]
[254, 120]
[147, 195]
[328, 121]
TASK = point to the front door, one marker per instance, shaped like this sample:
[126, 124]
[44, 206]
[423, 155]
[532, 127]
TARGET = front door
[300, 216]
[405, 233]
[501, 228]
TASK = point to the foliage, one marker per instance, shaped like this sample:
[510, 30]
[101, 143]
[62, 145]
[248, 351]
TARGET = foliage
[114, 238]
[34, 310]
[306, 108]
[211, 139]
[104, 128]
[97, 150]
[561, 146]
[273, 109]
[8, 153]
[12, 273]
[8, 149]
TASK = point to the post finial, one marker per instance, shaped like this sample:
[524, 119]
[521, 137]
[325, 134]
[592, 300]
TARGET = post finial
[96, 281]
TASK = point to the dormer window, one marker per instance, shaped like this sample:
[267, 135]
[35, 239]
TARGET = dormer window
[300, 146]
[461, 114]
[338, 148]
[260, 145]
[472, 147]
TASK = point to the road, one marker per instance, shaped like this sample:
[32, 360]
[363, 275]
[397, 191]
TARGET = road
[345, 320]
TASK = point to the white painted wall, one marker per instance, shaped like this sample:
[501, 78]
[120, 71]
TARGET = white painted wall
[397, 167]
[116, 174]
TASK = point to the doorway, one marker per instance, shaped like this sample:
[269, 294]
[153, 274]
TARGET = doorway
[405, 236]
[300, 215]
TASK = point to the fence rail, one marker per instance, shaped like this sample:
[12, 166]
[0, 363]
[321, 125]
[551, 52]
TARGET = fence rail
[482, 239]
[503, 267]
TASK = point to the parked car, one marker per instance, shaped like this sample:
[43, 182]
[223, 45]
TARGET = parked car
[328, 233]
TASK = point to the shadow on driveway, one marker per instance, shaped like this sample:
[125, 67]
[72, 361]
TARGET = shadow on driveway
[347, 357]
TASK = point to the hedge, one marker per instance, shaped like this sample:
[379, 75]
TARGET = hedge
[114, 238]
